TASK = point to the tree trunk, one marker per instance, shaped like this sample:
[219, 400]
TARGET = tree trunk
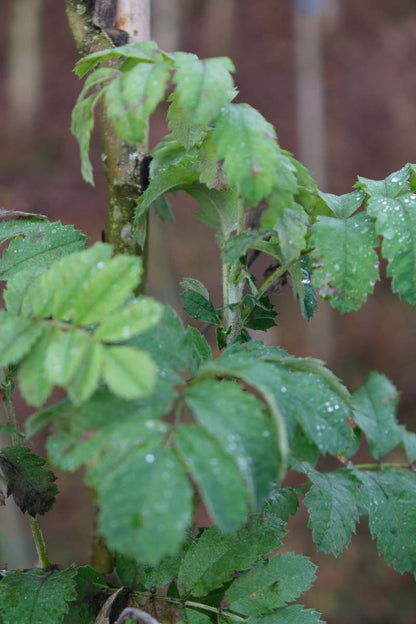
[118, 21]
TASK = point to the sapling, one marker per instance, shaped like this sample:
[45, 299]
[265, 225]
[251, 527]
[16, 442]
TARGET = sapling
[155, 421]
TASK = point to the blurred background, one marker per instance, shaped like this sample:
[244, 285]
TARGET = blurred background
[337, 79]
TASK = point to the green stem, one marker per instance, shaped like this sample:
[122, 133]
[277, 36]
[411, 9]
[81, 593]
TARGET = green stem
[39, 541]
[201, 606]
[233, 288]
[375, 467]
[280, 270]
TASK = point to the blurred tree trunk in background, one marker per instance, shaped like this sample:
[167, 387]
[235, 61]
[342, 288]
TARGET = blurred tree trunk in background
[311, 139]
[219, 22]
[24, 76]
[166, 24]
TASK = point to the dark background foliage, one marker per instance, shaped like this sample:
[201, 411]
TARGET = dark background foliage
[369, 87]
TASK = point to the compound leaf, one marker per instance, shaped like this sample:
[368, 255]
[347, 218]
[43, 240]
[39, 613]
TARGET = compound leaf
[145, 52]
[17, 336]
[244, 429]
[203, 87]
[270, 584]
[219, 207]
[36, 596]
[146, 517]
[247, 142]
[332, 502]
[128, 372]
[35, 385]
[200, 308]
[392, 203]
[389, 497]
[375, 413]
[214, 556]
[133, 319]
[87, 376]
[31, 485]
[36, 245]
[346, 264]
[216, 474]
[82, 121]
[106, 288]
[133, 96]
[172, 168]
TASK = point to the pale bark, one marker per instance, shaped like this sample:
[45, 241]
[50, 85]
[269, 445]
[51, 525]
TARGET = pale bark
[121, 159]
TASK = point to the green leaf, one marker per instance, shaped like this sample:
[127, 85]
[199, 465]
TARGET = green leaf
[244, 429]
[90, 588]
[247, 142]
[291, 227]
[219, 207]
[214, 556]
[189, 283]
[409, 442]
[129, 373]
[35, 385]
[82, 121]
[203, 87]
[88, 433]
[283, 502]
[197, 306]
[168, 343]
[258, 313]
[216, 474]
[294, 614]
[375, 413]
[236, 246]
[145, 52]
[394, 209]
[394, 185]
[192, 616]
[153, 577]
[343, 206]
[172, 168]
[299, 389]
[134, 318]
[211, 172]
[290, 221]
[346, 265]
[303, 290]
[31, 485]
[87, 376]
[69, 278]
[197, 347]
[183, 129]
[36, 596]
[133, 96]
[163, 209]
[106, 289]
[146, 517]
[389, 497]
[270, 584]
[333, 503]
[17, 336]
[36, 245]
[65, 354]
